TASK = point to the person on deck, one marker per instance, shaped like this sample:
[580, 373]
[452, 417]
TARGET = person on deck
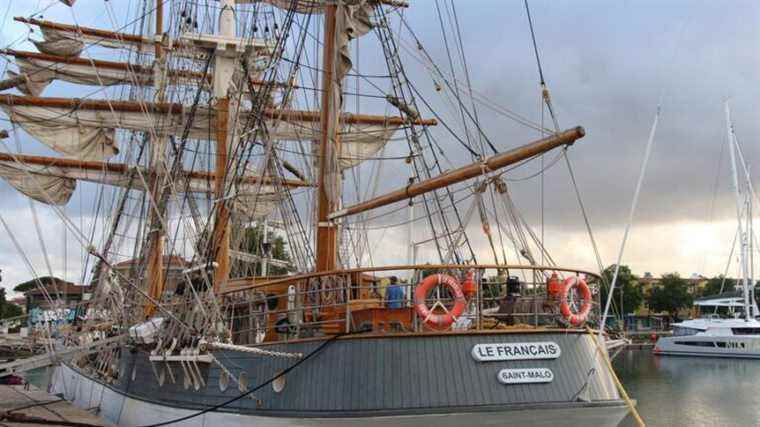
[395, 294]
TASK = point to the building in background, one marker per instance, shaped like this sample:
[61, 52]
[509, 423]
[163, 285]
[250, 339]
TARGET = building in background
[54, 293]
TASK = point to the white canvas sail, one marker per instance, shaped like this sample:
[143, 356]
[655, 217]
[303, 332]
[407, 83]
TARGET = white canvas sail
[70, 41]
[43, 184]
[41, 69]
[42, 72]
[89, 131]
[55, 184]
[61, 43]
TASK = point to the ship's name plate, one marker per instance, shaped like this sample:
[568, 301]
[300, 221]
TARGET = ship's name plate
[525, 376]
[516, 351]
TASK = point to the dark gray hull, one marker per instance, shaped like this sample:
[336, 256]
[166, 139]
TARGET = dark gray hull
[401, 380]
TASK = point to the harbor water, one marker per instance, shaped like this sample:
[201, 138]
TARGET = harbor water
[691, 391]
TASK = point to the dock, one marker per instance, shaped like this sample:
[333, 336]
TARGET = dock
[47, 359]
[26, 405]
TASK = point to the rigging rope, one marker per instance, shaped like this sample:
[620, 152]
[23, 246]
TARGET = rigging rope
[585, 216]
[308, 356]
[535, 45]
[634, 203]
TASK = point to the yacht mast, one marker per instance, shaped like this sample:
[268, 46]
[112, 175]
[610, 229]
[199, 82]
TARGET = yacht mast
[741, 200]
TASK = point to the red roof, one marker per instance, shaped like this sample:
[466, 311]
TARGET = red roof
[60, 286]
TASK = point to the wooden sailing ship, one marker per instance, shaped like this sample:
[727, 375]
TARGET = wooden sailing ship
[200, 145]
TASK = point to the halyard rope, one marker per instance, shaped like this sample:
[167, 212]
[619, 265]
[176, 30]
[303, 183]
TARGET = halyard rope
[616, 380]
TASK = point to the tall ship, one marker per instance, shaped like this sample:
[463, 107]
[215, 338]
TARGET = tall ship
[246, 159]
[728, 325]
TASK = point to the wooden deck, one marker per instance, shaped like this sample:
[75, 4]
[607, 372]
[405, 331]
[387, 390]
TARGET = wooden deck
[28, 406]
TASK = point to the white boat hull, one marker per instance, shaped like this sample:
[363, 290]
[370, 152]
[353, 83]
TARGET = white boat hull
[741, 347]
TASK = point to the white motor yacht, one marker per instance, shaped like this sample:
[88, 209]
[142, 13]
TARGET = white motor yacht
[731, 328]
[713, 337]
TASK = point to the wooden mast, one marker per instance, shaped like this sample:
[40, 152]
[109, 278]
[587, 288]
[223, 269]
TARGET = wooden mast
[327, 235]
[223, 68]
[464, 173]
[157, 233]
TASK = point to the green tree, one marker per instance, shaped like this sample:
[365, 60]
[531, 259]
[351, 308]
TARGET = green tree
[713, 285]
[627, 283]
[277, 248]
[671, 295]
[8, 309]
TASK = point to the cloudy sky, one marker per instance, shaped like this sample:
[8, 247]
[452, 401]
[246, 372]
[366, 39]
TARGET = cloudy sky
[608, 64]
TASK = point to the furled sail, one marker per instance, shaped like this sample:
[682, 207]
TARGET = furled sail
[70, 40]
[359, 141]
[300, 6]
[43, 184]
[65, 134]
[41, 69]
[256, 205]
[351, 21]
[53, 181]
[79, 134]
[28, 85]
[316, 6]
[89, 125]
[56, 42]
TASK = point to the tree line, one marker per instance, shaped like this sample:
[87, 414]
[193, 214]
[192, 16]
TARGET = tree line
[670, 293]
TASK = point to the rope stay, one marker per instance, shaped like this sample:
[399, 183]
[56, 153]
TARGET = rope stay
[631, 213]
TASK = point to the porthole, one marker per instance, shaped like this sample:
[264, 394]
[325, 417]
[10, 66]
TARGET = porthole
[278, 385]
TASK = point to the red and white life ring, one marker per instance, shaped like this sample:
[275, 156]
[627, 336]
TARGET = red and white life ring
[575, 319]
[439, 321]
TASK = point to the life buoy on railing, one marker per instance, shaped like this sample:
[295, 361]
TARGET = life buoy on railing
[444, 320]
[575, 319]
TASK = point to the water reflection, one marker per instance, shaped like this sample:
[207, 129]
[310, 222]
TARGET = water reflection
[40, 377]
[690, 391]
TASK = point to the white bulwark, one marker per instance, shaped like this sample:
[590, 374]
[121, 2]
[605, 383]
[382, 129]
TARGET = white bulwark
[525, 376]
[516, 351]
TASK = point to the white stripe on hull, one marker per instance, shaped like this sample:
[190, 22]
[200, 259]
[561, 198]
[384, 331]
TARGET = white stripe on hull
[125, 411]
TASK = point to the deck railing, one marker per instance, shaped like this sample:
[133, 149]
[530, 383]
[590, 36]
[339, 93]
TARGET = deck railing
[363, 301]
